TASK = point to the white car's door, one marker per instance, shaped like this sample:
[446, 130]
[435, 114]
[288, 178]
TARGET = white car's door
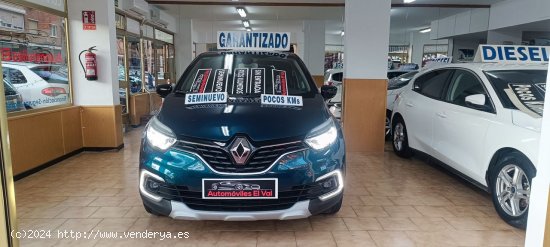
[419, 106]
[460, 128]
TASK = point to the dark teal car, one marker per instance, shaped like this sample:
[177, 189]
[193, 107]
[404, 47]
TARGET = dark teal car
[243, 136]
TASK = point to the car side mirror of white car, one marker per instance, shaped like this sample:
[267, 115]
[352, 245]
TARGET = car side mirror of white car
[476, 100]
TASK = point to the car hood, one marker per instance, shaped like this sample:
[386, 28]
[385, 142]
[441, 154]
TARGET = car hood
[524, 120]
[221, 122]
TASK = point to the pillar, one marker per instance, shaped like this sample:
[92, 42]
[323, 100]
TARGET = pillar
[184, 45]
[367, 29]
[101, 112]
[538, 224]
[314, 49]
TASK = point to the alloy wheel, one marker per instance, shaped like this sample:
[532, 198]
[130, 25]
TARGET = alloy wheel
[513, 190]
[398, 136]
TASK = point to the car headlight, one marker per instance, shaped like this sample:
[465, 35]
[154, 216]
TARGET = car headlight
[322, 136]
[159, 135]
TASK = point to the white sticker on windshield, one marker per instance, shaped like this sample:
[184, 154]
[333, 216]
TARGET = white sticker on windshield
[258, 81]
[205, 98]
[221, 76]
[240, 81]
[283, 100]
[526, 98]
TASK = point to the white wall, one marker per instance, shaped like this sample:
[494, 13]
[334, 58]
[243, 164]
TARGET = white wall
[183, 40]
[418, 42]
[513, 12]
[104, 91]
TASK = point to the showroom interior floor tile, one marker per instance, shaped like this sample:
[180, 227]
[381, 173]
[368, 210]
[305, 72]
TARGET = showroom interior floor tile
[388, 201]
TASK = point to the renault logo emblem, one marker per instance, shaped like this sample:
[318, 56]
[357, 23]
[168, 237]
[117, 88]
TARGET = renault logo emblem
[240, 150]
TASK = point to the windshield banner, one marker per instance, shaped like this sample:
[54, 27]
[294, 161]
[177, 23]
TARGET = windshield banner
[512, 54]
[253, 41]
[221, 76]
[279, 82]
[200, 81]
[258, 81]
[240, 82]
[541, 86]
[528, 98]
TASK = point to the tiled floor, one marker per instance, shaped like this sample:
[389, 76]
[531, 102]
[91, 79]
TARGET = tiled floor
[389, 202]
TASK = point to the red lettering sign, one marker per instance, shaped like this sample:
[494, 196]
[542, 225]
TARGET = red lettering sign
[88, 20]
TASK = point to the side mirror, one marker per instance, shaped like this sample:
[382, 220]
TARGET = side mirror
[477, 101]
[164, 89]
[328, 92]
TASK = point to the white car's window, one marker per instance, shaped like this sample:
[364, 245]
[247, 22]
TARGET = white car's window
[14, 76]
[502, 79]
[465, 84]
[432, 83]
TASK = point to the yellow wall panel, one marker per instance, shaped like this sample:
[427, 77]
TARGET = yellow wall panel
[72, 129]
[139, 106]
[98, 126]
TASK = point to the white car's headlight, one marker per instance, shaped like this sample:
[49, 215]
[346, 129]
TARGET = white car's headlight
[159, 135]
[322, 136]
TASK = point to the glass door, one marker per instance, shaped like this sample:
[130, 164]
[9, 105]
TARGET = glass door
[122, 74]
[134, 65]
[149, 66]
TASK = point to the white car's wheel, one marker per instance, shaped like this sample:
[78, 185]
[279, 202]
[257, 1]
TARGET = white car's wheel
[511, 188]
[400, 141]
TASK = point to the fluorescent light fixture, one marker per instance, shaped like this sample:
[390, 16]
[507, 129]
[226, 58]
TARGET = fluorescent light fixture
[426, 30]
[342, 33]
[246, 24]
[248, 29]
[242, 12]
[408, 1]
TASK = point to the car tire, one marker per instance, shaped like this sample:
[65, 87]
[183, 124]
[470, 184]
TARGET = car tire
[151, 211]
[400, 139]
[510, 184]
[334, 209]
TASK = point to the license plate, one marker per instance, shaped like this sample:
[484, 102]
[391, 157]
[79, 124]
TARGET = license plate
[259, 188]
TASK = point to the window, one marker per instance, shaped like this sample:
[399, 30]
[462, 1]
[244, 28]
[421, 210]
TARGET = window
[502, 79]
[465, 84]
[14, 76]
[432, 84]
[34, 64]
[53, 30]
[33, 27]
[338, 77]
[257, 74]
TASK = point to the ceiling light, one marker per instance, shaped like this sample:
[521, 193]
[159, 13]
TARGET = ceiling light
[249, 29]
[242, 12]
[408, 1]
[246, 23]
[426, 30]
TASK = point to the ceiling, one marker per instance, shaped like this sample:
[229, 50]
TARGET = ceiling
[403, 19]
[476, 2]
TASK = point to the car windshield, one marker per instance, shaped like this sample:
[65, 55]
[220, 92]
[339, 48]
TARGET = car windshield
[401, 81]
[51, 74]
[246, 75]
[504, 81]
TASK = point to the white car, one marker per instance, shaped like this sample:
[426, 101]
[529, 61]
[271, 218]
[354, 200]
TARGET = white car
[480, 120]
[396, 85]
[40, 85]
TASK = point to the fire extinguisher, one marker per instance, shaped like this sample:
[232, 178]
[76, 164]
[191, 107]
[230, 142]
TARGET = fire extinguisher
[90, 71]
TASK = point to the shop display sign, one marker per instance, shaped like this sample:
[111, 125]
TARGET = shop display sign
[88, 20]
[512, 54]
[205, 98]
[254, 41]
[22, 55]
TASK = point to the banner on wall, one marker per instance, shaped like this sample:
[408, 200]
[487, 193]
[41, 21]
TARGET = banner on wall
[512, 54]
[253, 41]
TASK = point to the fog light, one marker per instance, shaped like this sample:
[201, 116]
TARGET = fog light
[147, 184]
[334, 180]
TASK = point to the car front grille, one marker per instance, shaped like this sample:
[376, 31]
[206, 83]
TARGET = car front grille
[220, 159]
[193, 199]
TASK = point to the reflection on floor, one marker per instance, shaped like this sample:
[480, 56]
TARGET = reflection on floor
[389, 202]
